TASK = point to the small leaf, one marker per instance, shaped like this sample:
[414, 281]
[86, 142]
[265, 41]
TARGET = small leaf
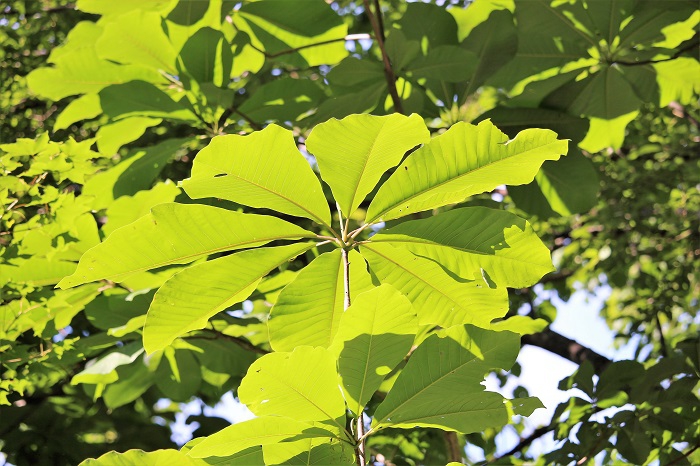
[264, 169]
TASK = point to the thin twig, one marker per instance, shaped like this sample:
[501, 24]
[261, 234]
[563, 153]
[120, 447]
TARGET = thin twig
[524, 443]
[243, 343]
[685, 455]
[388, 71]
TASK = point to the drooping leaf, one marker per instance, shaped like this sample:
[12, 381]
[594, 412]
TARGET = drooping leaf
[178, 375]
[111, 137]
[441, 384]
[82, 108]
[104, 370]
[264, 430]
[302, 385]
[308, 310]
[179, 306]
[476, 243]
[375, 334]
[263, 169]
[464, 161]
[437, 297]
[177, 234]
[353, 153]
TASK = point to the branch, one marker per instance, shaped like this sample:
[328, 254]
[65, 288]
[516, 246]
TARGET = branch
[678, 53]
[567, 349]
[388, 71]
[524, 443]
[454, 452]
[685, 455]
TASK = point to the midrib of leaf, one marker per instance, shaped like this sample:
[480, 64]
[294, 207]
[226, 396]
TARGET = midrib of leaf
[331, 334]
[364, 167]
[569, 25]
[391, 413]
[253, 281]
[318, 219]
[206, 252]
[430, 188]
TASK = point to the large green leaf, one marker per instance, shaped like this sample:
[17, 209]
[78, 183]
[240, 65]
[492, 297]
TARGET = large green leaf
[137, 37]
[82, 108]
[441, 384]
[376, 332]
[78, 69]
[180, 306]
[464, 161]
[177, 234]
[310, 452]
[446, 63]
[264, 169]
[283, 99]
[308, 310]
[142, 458]
[476, 243]
[302, 385]
[438, 298]
[263, 430]
[111, 137]
[353, 153]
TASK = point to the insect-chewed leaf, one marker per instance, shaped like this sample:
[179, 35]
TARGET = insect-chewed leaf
[476, 243]
[263, 169]
[464, 161]
[353, 153]
[177, 234]
[441, 384]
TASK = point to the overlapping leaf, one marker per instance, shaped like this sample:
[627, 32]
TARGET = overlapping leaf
[353, 153]
[441, 384]
[180, 306]
[264, 169]
[177, 234]
[476, 243]
[308, 310]
[375, 334]
[437, 297]
[464, 161]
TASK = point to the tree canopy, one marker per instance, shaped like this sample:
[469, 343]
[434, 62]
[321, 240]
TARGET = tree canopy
[346, 214]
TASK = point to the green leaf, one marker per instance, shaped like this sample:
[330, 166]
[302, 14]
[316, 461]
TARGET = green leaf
[36, 271]
[302, 385]
[522, 325]
[476, 243]
[128, 209]
[78, 69]
[179, 306]
[137, 37]
[134, 380]
[264, 169]
[265, 430]
[178, 375]
[310, 452]
[104, 370]
[461, 162]
[83, 108]
[353, 153]
[207, 57]
[438, 298]
[111, 137]
[142, 99]
[141, 458]
[252, 456]
[447, 63]
[284, 99]
[111, 8]
[308, 310]
[430, 25]
[375, 333]
[177, 234]
[441, 384]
